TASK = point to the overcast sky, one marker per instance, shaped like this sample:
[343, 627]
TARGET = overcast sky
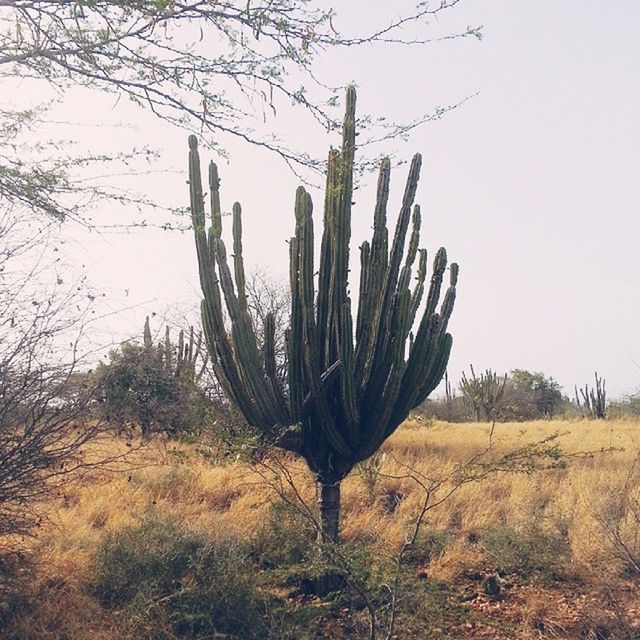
[532, 185]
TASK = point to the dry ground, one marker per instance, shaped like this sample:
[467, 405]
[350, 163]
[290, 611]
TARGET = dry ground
[562, 544]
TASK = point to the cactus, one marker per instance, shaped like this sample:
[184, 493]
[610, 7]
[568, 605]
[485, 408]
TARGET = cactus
[146, 334]
[449, 396]
[483, 394]
[186, 357]
[594, 399]
[351, 380]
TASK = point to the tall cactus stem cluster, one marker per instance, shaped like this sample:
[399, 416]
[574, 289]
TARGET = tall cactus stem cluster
[183, 361]
[483, 394]
[594, 399]
[351, 378]
[449, 396]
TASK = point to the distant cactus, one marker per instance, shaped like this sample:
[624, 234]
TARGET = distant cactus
[350, 380]
[449, 396]
[483, 394]
[154, 385]
[183, 363]
[146, 334]
[594, 399]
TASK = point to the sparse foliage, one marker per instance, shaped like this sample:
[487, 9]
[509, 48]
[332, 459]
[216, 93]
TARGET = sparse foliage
[224, 68]
[44, 396]
[37, 177]
[618, 516]
[199, 65]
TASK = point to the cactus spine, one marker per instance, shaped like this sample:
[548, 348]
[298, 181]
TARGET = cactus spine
[350, 382]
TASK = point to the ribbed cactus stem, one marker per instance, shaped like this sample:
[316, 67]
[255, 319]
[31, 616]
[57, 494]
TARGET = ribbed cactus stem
[168, 351]
[146, 336]
[238, 263]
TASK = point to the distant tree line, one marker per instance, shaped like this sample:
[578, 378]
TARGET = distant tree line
[523, 395]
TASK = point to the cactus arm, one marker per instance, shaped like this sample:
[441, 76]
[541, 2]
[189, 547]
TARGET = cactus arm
[245, 347]
[415, 236]
[216, 212]
[304, 232]
[421, 276]
[224, 367]
[376, 363]
[419, 362]
[364, 299]
[247, 391]
[349, 394]
[326, 261]
[376, 269]
[146, 334]
[238, 262]
[436, 371]
[378, 367]
[342, 232]
[379, 423]
[297, 386]
[439, 266]
[269, 353]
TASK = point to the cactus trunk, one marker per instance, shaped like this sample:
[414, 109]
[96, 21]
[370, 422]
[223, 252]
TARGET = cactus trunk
[328, 496]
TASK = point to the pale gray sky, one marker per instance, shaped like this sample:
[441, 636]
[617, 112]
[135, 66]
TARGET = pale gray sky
[533, 185]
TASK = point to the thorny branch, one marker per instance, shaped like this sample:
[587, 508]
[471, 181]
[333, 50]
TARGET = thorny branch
[207, 65]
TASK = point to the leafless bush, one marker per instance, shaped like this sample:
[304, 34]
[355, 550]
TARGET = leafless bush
[618, 516]
[43, 395]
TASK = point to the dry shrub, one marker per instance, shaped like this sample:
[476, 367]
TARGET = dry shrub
[616, 510]
[285, 538]
[526, 548]
[457, 560]
[543, 617]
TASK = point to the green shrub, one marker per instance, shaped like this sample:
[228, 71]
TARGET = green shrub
[626, 407]
[159, 571]
[285, 539]
[525, 548]
[137, 387]
[429, 544]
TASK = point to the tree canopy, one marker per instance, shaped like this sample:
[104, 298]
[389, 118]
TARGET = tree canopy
[214, 66]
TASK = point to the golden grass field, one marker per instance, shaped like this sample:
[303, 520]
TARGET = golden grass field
[588, 506]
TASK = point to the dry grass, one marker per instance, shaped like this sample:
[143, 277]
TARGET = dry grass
[575, 505]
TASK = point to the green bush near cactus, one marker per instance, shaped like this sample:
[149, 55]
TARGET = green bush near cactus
[141, 385]
[170, 582]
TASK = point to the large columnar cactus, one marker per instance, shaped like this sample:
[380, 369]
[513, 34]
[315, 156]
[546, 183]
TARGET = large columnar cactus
[483, 393]
[352, 378]
[182, 363]
[594, 399]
